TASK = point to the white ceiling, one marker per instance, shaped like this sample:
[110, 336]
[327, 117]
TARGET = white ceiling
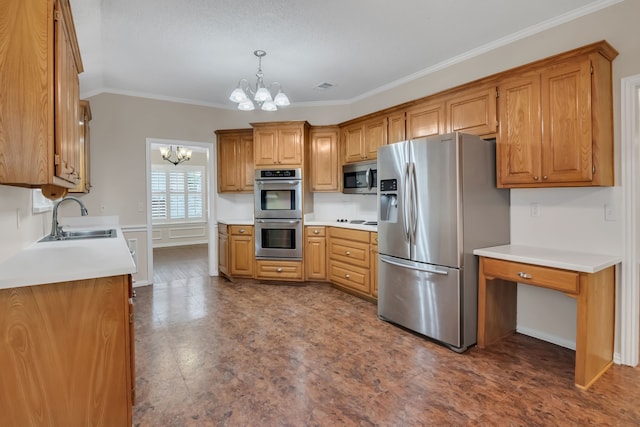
[197, 50]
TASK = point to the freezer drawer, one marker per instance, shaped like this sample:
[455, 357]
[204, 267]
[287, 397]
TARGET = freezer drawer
[421, 297]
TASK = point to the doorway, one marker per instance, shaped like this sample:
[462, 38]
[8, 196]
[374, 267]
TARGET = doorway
[188, 231]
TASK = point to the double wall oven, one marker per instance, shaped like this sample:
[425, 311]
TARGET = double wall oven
[278, 213]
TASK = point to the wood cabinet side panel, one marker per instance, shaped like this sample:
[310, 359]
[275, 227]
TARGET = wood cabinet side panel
[64, 353]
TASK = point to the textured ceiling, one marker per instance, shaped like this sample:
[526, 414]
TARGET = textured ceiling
[197, 50]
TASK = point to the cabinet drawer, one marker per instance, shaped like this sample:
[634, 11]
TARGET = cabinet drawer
[352, 277]
[354, 253]
[546, 277]
[313, 231]
[241, 230]
[279, 270]
[346, 233]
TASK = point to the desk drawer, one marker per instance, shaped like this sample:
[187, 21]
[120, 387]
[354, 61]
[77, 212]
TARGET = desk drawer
[546, 277]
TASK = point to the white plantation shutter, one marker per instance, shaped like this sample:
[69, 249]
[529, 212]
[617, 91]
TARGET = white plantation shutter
[177, 195]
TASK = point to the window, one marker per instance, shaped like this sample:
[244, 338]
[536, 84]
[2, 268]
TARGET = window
[177, 194]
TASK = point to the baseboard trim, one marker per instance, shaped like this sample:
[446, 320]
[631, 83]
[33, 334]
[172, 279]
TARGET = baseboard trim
[562, 342]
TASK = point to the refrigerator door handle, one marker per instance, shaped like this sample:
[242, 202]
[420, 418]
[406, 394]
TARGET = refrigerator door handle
[406, 219]
[412, 266]
[414, 201]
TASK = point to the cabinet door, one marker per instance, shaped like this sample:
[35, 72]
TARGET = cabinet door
[566, 117]
[242, 256]
[472, 112]
[518, 146]
[375, 135]
[290, 146]
[353, 140]
[228, 163]
[396, 128]
[316, 258]
[67, 108]
[324, 159]
[223, 252]
[245, 164]
[265, 146]
[426, 120]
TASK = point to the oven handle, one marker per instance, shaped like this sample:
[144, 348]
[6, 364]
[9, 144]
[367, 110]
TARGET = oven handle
[277, 182]
[283, 221]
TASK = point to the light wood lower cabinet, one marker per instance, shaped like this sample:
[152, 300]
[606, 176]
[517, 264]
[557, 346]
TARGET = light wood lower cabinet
[67, 353]
[350, 265]
[242, 250]
[374, 265]
[223, 249]
[315, 254]
[279, 270]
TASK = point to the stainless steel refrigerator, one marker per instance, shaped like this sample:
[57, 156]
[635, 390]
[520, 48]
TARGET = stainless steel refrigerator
[437, 202]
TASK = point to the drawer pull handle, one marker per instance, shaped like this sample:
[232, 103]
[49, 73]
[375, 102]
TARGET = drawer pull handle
[524, 275]
[242, 230]
[346, 276]
[316, 232]
[347, 253]
[279, 270]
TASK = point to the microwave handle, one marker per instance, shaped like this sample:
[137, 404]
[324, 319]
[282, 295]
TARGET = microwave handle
[368, 179]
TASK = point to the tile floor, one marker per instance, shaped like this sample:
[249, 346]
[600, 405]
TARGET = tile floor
[246, 353]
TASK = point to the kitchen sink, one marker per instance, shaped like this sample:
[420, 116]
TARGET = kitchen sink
[81, 234]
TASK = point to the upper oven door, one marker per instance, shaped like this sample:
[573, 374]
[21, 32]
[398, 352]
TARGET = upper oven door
[278, 199]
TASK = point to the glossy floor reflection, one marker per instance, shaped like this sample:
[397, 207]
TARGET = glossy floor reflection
[212, 352]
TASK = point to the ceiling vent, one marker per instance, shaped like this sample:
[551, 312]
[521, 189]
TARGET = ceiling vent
[324, 86]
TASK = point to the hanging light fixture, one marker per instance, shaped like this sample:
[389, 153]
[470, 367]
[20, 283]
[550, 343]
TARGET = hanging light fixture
[181, 154]
[260, 96]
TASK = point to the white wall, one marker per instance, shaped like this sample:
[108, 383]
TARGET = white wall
[333, 206]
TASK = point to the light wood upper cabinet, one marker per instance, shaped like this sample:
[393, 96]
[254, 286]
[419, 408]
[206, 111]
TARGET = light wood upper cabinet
[361, 140]
[279, 144]
[235, 161]
[396, 130]
[472, 111]
[84, 175]
[39, 135]
[426, 119]
[555, 126]
[324, 159]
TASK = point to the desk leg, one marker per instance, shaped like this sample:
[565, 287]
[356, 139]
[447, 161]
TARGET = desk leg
[497, 300]
[595, 326]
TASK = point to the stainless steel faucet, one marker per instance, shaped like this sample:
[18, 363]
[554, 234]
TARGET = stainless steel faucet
[55, 227]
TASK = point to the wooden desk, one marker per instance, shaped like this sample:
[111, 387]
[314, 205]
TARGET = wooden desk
[588, 278]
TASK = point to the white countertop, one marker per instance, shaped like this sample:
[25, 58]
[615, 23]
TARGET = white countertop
[236, 221]
[335, 223]
[568, 260]
[69, 260]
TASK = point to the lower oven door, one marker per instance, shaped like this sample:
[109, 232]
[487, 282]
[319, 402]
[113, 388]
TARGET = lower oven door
[278, 238]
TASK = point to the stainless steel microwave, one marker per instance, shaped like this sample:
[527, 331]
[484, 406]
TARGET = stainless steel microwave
[360, 178]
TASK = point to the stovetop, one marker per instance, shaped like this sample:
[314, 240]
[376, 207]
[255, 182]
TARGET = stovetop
[358, 221]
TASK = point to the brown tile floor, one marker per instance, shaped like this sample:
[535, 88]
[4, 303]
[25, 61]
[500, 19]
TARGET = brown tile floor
[212, 352]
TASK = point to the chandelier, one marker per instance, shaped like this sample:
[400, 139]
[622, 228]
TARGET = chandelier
[181, 154]
[261, 96]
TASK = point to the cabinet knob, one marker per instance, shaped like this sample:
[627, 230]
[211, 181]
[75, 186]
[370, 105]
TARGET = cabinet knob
[545, 177]
[279, 270]
[316, 232]
[346, 276]
[535, 178]
[242, 230]
[524, 275]
[347, 253]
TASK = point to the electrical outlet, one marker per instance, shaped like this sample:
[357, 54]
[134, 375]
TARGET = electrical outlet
[101, 207]
[609, 212]
[534, 209]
